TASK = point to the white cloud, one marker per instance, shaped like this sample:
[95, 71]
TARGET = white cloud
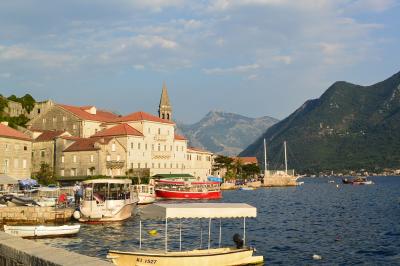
[5, 75]
[252, 77]
[138, 67]
[229, 70]
[150, 41]
[372, 5]
[286, 59]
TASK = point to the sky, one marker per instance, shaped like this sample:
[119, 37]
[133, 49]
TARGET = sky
[251, 57]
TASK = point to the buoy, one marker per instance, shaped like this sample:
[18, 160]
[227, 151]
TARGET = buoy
[77, 215]
[316, 257]
[153, 232]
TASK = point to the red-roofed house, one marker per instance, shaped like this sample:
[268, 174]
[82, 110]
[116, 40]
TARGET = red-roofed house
[80, 121]
[246, 160]
[15, 153]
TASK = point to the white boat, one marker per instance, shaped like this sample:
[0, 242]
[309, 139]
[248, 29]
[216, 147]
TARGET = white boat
[145, 193]
[106, 200]
[223, 256]
[246, 188]
[42, 231]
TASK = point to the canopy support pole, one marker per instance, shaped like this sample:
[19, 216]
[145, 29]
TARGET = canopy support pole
[166, 234]
[244, 231]
[140, 234]
[220, 233]
[209, 233]
[180, 234]
[201, 234]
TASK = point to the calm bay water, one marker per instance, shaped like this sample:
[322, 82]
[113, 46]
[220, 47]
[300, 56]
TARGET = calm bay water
[348, 225]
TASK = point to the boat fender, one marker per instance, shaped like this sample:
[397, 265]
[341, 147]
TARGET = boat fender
[77, 215]
[316, 257]
[153, 232]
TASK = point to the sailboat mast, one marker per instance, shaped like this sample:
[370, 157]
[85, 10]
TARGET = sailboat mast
[284, 144]
[265, 156]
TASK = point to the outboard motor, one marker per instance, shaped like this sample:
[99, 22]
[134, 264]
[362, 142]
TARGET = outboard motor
[238, 241]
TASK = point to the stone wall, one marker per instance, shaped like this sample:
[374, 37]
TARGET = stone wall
[34, 215]
[15, 251]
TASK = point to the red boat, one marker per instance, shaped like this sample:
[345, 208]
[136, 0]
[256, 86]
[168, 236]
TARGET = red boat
[168, 189]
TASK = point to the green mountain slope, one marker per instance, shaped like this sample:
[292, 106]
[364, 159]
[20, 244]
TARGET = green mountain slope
[225, 133]
[348, 127]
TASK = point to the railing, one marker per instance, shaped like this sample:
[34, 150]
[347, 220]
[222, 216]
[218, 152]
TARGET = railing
[115, 164]
[160, 154]
[160, 137]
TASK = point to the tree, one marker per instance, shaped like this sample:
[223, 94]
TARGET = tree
[221, 162]
[45, 176]
[249, 170]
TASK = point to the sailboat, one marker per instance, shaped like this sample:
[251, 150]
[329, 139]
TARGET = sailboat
[278, 178]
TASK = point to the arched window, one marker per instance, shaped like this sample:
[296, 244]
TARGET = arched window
[163, 116]
[168, 116]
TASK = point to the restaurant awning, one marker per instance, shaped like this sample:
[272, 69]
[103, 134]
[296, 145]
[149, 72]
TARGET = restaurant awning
[161, 211]
[173, 176]
[8, 180]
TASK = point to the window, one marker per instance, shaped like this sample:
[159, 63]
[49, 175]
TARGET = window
[64, 118]
[152, 165]
[167, 116]
[113, 147]
[132, 145]
[118, 158]
[16, 147]
[44, 120]
[74, 126]
[24, 163]
[15, 163]
[145, 146]
[92, 158]
[159, 165]
[6, 147]
[118, 171]
[38, 111]
[138, 165]
[62, 172]
[108, 158]
[74, 158]
[159, 131]
[54, 119]
[73, 172]
[152, 147]
[165, 165]
[25, 148]
[145, 165]
[42, 153]
[6, 162]
[177, 147]
[170, 148]
[177, 166]
[131, 165]
[148, 130]
[159, 147]
[165, 147]
[138, 146]
[62, 159]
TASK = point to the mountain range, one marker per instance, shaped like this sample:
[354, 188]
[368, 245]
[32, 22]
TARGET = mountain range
[225, 133]
[348, 127]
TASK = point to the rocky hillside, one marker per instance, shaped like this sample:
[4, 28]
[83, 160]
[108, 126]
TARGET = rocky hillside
[348, 127]
[225, 133]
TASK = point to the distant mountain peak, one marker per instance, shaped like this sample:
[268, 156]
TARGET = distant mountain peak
[224, 132]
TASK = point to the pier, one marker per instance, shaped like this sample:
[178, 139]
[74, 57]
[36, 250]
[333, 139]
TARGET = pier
[15, 251]
[34, 214]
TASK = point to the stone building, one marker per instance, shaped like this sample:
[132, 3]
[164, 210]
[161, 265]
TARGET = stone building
[15, 109]
[15, 153]
[47, 148]
[83, 121]
[107, 144]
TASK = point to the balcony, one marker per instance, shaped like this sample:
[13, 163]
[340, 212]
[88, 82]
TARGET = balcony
[160, 154]
[160, 137]
[115, 164]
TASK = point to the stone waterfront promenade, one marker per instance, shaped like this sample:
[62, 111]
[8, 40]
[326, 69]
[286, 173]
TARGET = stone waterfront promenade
[15, 251]
[34, 214]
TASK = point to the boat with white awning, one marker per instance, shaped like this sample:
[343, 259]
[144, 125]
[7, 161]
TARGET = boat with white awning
[239, 255]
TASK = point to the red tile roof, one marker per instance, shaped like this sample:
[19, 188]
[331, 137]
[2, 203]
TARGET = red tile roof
[48, 135]
[8, 132]
[246, 160]
[180, 137]
[119, 130]
[195, 149]
[87, 144]
[142, 116]
[102, 116]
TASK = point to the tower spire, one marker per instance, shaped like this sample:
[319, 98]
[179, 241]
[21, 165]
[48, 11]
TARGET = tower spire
[165, 108]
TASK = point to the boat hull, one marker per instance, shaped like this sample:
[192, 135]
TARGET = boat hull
[146, 198]
[220, 256]
[42, 231]
[124, 213]
[165, 194]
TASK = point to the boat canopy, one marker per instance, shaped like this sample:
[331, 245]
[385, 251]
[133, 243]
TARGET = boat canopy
[214, 179]
[161, 211]
[108, 181]
[8, 180]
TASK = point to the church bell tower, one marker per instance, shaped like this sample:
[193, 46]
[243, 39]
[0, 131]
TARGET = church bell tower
[165, 108]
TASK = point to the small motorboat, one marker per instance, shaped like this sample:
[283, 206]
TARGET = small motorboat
[362, 180]
[42, 230]
[222, 256]
[146, 193]
[246, 188]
